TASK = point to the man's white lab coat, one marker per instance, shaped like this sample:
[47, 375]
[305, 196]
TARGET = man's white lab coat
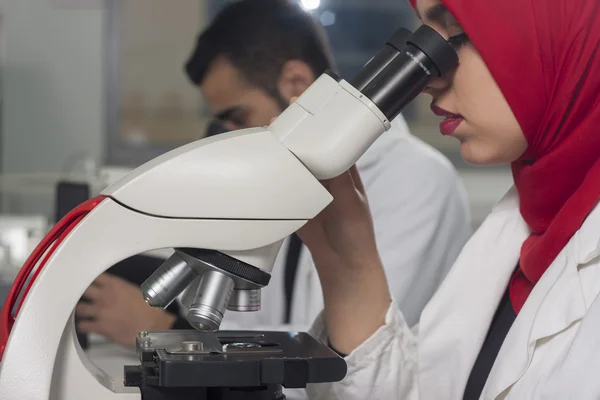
[420, 214]
[551, 352]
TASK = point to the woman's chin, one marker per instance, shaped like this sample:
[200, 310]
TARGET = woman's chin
[478, 156]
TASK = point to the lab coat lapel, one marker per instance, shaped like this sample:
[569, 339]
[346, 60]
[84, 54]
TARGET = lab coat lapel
[455, 322]
[556, 301]
[517, 349]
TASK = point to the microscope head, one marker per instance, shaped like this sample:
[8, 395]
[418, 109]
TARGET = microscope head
[327, 129]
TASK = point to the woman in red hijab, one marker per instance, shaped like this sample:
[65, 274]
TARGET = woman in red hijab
[518, 316]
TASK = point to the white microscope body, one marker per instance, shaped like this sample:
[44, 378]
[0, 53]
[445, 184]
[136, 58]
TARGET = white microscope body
[236, 196]
[239, 193]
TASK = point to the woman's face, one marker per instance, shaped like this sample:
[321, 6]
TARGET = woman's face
[474, 109]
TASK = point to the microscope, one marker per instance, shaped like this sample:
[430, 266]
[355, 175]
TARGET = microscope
[225, 204]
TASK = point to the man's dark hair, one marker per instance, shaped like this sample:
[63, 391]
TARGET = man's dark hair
[258, 37]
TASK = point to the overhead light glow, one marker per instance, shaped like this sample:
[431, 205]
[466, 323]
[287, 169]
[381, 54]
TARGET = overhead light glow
[327, 18]
[311, 4]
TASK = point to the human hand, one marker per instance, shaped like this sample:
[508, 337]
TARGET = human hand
[342, 243]
[342, 235]
[118, 311]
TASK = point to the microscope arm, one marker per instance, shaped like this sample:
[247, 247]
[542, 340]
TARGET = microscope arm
[43, 333]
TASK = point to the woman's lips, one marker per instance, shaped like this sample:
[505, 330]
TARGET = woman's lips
[449, 125]
[451, 121]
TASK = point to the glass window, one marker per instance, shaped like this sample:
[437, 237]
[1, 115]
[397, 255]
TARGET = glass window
[151, 105]
[153, 108]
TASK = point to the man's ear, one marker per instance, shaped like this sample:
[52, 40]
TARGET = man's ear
[296, 76]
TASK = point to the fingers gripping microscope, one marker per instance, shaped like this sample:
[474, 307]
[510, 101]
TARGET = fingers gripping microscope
[224, 204]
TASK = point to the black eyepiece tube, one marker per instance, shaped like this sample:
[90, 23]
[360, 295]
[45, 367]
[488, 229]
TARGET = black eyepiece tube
[426, 55]
[392, 49]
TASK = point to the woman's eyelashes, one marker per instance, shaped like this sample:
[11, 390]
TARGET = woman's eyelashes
[457, 41]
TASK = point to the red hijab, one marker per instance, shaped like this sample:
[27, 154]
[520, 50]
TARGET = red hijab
[545, 57]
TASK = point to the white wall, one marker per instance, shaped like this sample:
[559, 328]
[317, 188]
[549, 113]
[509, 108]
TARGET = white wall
[157, 38]
[159, 106]
[51, 76]
[485, 187]
[52, 84]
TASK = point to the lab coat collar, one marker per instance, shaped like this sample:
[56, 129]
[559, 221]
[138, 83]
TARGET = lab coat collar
[587, 240]
[509, 202]
[556, 302]
[454, 324]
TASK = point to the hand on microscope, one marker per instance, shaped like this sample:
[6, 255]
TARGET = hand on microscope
[116, 309]
[341, 240]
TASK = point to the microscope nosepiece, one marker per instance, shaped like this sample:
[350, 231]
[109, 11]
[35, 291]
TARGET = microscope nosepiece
[204, 318]
[211, 300]
[167, 282]
[245, 300]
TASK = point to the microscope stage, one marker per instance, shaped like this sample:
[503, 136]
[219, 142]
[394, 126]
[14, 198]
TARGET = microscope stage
[176, 359]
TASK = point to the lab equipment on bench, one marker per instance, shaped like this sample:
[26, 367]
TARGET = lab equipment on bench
[225, 204]
[19, 234]
[192, 365]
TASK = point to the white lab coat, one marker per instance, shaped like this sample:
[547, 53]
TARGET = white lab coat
[551, 352]
[420, 214]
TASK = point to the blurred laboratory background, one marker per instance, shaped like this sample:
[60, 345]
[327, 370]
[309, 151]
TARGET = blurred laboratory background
[92, 88]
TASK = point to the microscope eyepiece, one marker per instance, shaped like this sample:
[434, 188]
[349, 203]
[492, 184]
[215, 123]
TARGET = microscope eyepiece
[436, 48]
[425, 55]
[391, 50]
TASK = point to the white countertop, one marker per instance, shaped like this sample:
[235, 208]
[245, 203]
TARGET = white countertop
[110, 357]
